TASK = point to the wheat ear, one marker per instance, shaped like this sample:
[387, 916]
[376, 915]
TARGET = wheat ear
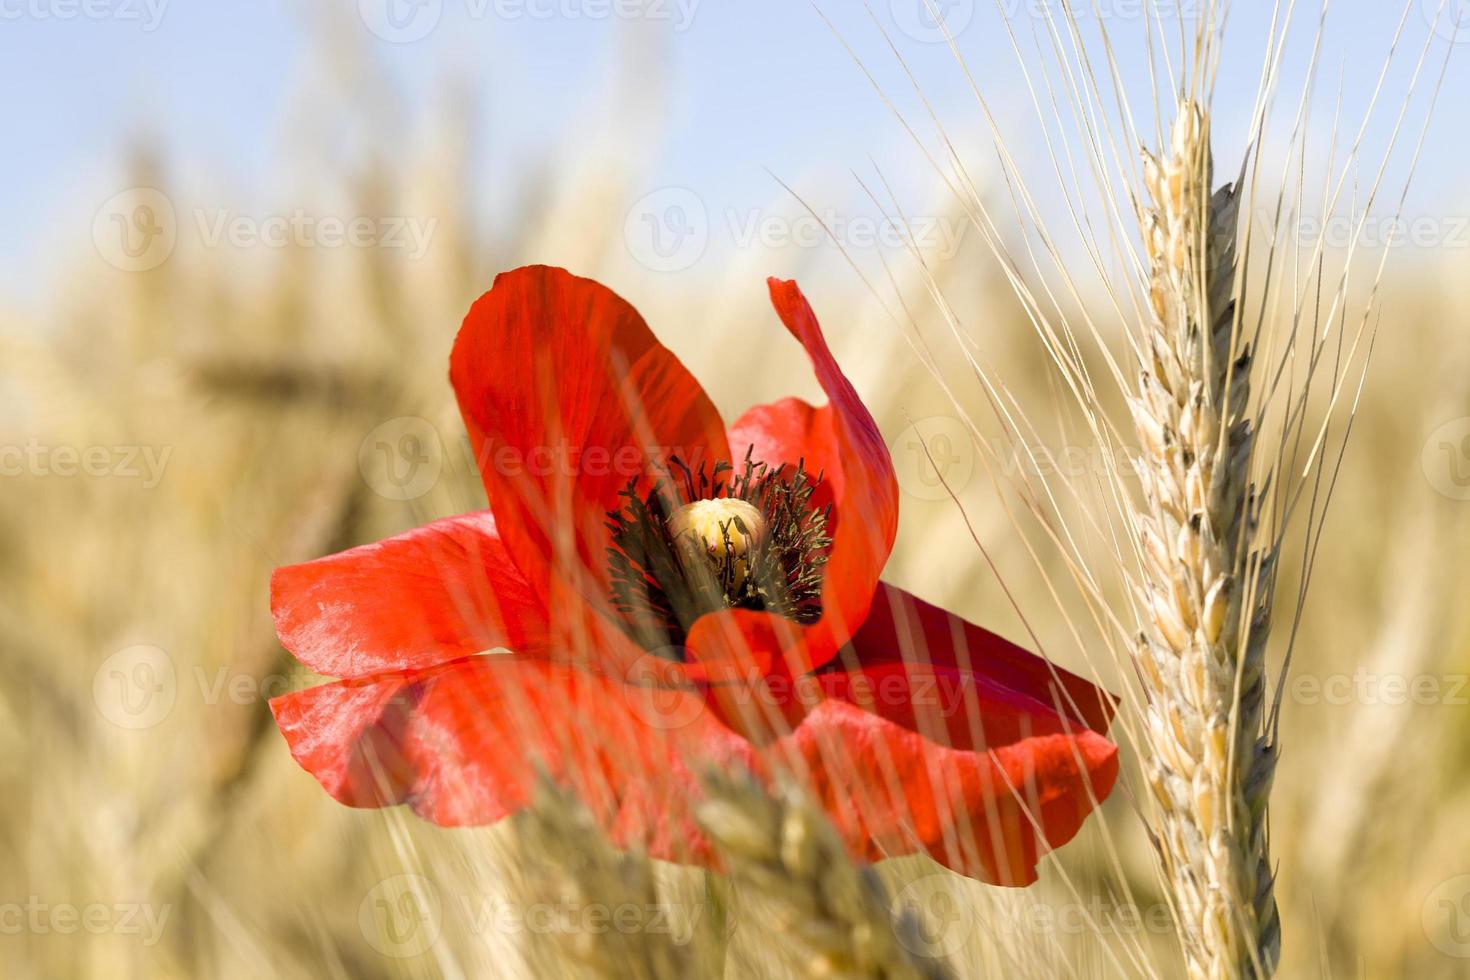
[1206, 580]
[783, 854]
[572, 861]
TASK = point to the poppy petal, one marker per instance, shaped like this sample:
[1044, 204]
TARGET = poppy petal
[939, 760]
[464, 744]
[842, 442]
[349, 735]
[437, 593]
[902, 628]
[568, 397]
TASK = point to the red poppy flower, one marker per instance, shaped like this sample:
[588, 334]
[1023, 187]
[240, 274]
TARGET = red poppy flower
[651, 593]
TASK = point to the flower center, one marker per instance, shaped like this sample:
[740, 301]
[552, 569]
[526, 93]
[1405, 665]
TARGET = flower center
[703, 541]
[717, 536]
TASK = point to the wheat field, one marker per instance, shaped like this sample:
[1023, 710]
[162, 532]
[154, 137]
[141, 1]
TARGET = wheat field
[176, 430]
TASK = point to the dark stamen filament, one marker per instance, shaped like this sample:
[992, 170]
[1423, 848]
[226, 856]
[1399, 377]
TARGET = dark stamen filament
[662, 584]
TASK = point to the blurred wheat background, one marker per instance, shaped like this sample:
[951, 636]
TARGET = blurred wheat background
[175, 427]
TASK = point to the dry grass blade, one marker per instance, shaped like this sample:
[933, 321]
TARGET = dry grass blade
[833, 917]
[1206, 581]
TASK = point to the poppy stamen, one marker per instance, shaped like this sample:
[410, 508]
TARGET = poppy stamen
[701, 541]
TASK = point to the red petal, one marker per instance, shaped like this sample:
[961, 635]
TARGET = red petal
[437, 593]
[902, 628]
[942, 761]
[463, 744]
[742, 644]
[842, 441]
[467, 740]
[787, 431]
[567, 396]
[349, 735]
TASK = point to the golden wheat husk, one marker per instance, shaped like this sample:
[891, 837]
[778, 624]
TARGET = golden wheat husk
[1205, 582]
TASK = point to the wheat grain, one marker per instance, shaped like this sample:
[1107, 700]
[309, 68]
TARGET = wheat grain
[1205, 586]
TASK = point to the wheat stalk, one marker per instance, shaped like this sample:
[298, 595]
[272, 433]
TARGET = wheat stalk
[1205, 581]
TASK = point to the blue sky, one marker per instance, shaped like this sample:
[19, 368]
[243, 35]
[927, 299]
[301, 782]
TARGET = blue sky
[739, 86]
